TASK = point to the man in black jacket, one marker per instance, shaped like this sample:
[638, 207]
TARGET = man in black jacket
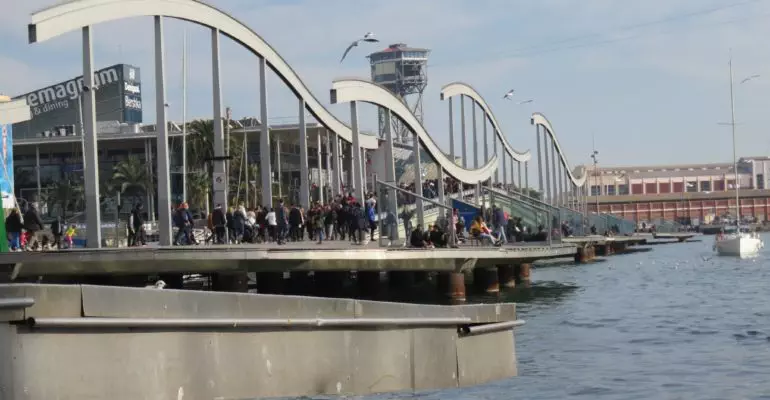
[34, 225]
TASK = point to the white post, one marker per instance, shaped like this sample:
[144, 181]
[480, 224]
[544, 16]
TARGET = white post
[163, 169]
[184, 116]
[304, 187]
[264, 139]
[356, 150]
[320, 164]
[90, 155]
[336, 187]
[220, 170]
[418, 183]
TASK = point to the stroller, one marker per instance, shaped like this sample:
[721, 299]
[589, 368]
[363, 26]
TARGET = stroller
[250, 232]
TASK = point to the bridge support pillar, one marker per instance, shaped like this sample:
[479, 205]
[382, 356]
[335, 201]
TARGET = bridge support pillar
[604, 249]
[370, 284]
[401, 280]
[420, 277]
[506, 276]
[300, 283]
[270, 283]
[486, 280]
[585, 254]
[523, 273]
[330, 283]
[452, 285]
[230, 282]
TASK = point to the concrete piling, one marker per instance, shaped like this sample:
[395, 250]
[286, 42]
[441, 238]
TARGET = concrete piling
[370, 285]
[452, 285]
[230, 282]
[506, 276]
[270, 283]
[486, 280]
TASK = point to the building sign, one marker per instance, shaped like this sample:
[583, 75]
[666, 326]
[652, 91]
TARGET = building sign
[57, 109]
[6, 179]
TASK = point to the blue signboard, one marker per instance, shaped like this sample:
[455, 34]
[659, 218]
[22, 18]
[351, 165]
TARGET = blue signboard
[6, 178]
[467, 211]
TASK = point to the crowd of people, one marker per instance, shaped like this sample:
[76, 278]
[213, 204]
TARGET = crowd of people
[27, 232]
[343, 217]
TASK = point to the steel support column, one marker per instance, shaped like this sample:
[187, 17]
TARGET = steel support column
[163, 169]
[441, 195]
[494, 149]
[526, 177]
[475, 135]
[464, 143]
[336, 188]
[560, 175]
[304, 184]
[418, 183]
[547, 195]
[390, 173]
[555, 181]
[451, 132]
[486, 148]
[518, 165]
[505, 169]
[264, 138]
[540, 186]
[277, 169]
[320, 165]
[90, 155]
[38, 199]
[219, 164]
[356, 150]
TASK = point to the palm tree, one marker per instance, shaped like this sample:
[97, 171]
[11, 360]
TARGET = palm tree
[200, 146]
[68, 194]
[130, 177]
[198, 188]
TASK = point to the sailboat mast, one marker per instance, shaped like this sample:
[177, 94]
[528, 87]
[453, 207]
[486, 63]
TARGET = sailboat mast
[735, 159]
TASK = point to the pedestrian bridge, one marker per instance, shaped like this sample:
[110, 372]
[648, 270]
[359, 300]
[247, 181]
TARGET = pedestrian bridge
[560, 184]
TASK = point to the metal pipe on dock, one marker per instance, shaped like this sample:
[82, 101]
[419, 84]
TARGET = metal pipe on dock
[491, 328]
[176, 323]
[16, 303]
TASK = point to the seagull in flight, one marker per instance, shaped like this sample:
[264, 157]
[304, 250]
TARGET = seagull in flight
[749, 78]
[368, 37]
[524, 102]
[509, 95]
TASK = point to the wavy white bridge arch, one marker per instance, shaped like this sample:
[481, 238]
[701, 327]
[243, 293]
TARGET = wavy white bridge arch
[460, 88]
[579, 175]
[66, 17]
[348, 90]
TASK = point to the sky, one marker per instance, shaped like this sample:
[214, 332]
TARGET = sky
[646, 81]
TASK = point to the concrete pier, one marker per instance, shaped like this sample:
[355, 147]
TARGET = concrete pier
[486, 280]
[205, 345]
[506, 276]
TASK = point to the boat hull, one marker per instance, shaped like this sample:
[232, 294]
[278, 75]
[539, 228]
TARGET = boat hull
[739, 246]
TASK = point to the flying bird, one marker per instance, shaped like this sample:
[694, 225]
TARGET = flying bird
[509, 95]
[368, 37]
[749, 78]
[524, 102]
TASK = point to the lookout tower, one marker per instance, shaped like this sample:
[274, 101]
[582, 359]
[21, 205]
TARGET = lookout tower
[404, 71]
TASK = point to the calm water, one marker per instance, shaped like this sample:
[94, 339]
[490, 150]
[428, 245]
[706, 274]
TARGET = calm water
[672, 323]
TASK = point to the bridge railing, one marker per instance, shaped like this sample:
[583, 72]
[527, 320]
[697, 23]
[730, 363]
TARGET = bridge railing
[664, 226]
[533, 215]
[394, 212]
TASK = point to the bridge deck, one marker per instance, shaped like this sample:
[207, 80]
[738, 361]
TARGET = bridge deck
[297, 256]
[603, 240]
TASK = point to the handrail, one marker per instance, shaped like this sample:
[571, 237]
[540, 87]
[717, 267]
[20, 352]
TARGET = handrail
[16, 303]
[234, 323]
[473, 330]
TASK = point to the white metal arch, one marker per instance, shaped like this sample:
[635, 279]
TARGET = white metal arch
[348, 90]
[577, 176]
[65, 17]
[460, 88]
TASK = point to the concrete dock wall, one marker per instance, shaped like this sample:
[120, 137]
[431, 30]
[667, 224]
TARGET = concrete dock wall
[39, 362]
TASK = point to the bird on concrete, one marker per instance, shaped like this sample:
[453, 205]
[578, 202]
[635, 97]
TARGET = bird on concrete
[368, 37]
[509, 95]
[160, 284]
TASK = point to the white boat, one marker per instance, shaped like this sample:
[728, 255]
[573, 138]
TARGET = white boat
[739, 244]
